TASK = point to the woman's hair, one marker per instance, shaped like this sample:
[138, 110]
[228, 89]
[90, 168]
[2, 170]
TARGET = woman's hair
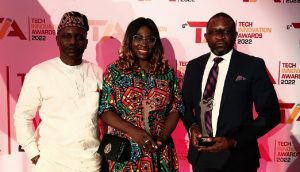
[128, 62]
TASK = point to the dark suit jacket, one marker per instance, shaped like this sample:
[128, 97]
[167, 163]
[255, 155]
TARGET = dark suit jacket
[235, 115]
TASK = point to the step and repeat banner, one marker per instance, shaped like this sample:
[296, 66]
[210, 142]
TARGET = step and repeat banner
[267, 29]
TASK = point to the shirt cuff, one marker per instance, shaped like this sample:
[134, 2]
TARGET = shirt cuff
[190, 133]
[31, 150]
[234, 143]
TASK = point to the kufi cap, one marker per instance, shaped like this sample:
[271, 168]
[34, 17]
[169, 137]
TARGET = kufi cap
[74, 19]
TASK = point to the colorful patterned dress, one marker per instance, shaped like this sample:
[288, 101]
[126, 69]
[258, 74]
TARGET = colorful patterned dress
[123, 94]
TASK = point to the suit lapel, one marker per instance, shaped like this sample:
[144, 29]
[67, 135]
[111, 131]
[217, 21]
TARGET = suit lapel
[229, 81]
[199, 67]
[199, 80]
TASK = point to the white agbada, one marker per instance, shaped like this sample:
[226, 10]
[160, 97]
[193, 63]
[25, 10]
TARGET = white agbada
[66, 98]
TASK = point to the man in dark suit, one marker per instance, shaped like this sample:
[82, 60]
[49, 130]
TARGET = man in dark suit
[241, 81]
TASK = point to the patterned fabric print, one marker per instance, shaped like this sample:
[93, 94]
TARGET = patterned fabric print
[124, 94]
[73, 18]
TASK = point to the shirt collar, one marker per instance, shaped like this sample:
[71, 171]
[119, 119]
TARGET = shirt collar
[226, 57]
[68, 67]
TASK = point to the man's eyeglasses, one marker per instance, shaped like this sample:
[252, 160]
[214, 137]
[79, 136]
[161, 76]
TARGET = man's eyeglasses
[220, 32]
[139, 40]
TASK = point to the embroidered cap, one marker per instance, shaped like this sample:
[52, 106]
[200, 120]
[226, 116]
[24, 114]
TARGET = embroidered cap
[75, 19]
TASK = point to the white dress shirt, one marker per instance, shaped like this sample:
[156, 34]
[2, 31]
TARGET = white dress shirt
[66, 98]
[223, 68]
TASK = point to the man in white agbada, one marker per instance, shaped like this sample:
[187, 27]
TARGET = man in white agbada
[65, 92]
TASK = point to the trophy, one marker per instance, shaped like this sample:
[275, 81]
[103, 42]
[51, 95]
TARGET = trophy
[206, 130]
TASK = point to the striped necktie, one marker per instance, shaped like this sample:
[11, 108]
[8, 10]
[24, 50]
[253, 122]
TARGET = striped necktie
[208, 95]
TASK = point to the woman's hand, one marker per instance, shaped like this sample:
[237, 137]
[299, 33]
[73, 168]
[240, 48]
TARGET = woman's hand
[143, 139]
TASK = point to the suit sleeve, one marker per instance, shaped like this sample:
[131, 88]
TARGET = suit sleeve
[266, 105]
[189, 116]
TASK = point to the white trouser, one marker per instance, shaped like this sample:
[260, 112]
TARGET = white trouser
[48, 165]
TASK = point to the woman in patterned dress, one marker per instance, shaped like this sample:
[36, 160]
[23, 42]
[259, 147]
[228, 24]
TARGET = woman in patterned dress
[141, 101]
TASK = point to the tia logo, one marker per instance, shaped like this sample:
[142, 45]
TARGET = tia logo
[293, 116]
[199, 26]
[9, 27]
[101, 28]
[249, 0]
[182, 0]
[287, 1]
[294, 25]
